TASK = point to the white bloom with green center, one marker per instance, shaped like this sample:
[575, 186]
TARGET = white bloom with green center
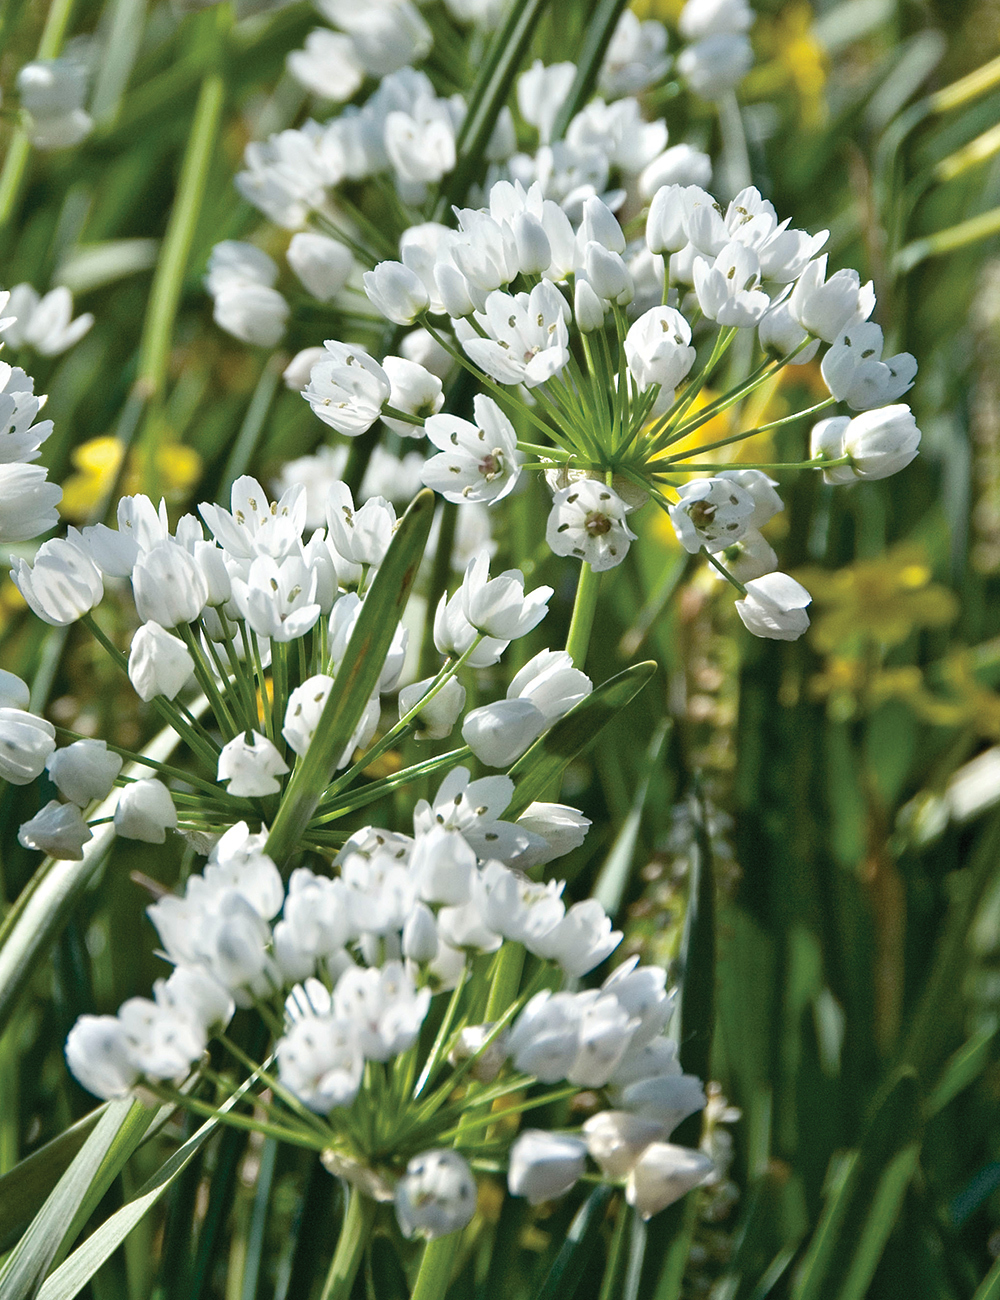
[347, 389]
[587, 520]
[711, 512]
[527, 336]
[477, 462]
[436, 1195]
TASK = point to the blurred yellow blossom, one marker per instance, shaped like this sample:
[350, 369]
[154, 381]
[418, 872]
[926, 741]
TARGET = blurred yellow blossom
[668, 11]
[881, 600]
[791, 57]
[176, 470]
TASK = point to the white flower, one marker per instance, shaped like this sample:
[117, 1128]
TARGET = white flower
[442, 866]
[728, 288]
[560, 828]
[14, 693]
[27, 502]
[420, 935]
[774, 607]
[415, 391]
[315, 923]
[168, 585]
[439, 715]
[97, 1054]
[454, 634]
[477, 462]
[385, 1007]
[499, 733]
[421, 143]
[257, 526]
[397, 292]
[641, 990]
[421, 346]
[658, 348]
[252, 313]
[296, 376]
[545, 1037]
[26, 742]
[635, 58]
[386, 37]
[328, 66]
[498, 607]
[607, 274]
[321, 264]
[663, 1174]
[779, 332]
[473, 809]
[616, 1139]
[53, 92]
[44, 323]
[541, 92]
[544, 1165]
[305, 708]
[856, 374]
[678, 165]
[158, 663]
[766, 501]
[145, 811]
[58, 829]
[347, 389]
[62, 585]
[751, 557]
[251, 766]
[287, 174]
[436, 1195]
[828, 307]
[606, 1031]
[360, 535]
[581, 940]
[712, 67]
[238, 861]
[711, 512]
[527, 336]
[234, 264]
[588, 520]
[701, 18]
[320, 1060]
[193, 994]
[278, 600]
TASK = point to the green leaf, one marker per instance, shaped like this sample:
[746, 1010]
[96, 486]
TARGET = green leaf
[75, 1272]
[961, 1069]
[538, 771]
[599, 30]
[356, 678]
[73, 1198]
[24, 1188]
[488, 96]
[609, 888]
[989, 1289]
[855, 1224]
[574, 1254]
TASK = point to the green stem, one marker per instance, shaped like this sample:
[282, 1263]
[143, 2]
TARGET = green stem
[164, 298]
[584, 609]
[435, 1268]
[19, 150]
[354, 1233]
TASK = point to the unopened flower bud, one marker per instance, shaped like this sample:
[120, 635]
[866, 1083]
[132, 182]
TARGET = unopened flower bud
[436, 1195]
[84, 771]
[58, 830]
[544, 1165]
[158, 663]
[145, 812]
[663, 1174]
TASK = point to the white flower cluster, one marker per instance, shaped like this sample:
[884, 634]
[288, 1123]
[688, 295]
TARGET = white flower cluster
[27, 499]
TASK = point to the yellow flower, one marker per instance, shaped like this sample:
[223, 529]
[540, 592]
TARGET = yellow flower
[792, 58]
[880, 601]
[176, 471]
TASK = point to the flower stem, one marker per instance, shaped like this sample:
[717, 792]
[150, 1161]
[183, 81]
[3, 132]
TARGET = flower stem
[354, 1233]
[154, 351]
[584, 609]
